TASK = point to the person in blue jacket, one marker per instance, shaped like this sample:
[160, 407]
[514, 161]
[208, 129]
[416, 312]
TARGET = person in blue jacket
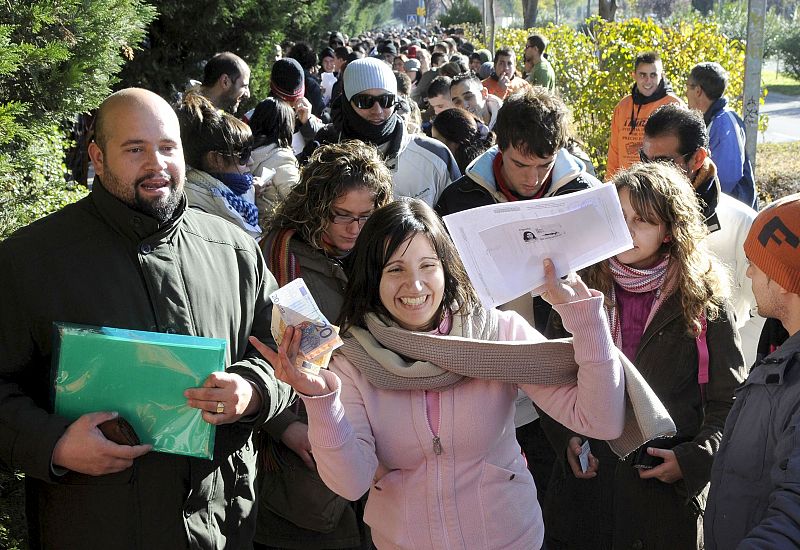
[705, 89]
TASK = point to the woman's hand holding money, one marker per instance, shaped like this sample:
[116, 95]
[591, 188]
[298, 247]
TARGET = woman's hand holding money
[283, 362]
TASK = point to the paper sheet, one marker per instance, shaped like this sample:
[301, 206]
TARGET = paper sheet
[503, 245]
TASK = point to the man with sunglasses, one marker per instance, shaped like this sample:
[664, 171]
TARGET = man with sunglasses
[368, 111]
[226, 81]
[678, 135]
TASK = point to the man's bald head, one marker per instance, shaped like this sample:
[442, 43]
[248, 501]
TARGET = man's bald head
[132, 99]
[137, 152]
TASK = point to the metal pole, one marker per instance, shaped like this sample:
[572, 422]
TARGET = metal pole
[754, 55]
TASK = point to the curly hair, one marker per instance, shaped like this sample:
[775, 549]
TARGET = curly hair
[332, 171]
[388, 229]
[661, 193]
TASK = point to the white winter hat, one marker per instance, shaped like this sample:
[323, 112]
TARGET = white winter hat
[366, 74]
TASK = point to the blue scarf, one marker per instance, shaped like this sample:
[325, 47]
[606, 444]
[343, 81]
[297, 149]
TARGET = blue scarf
[238, 184]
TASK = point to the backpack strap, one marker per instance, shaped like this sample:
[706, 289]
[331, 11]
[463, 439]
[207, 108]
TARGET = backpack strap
[702, 357]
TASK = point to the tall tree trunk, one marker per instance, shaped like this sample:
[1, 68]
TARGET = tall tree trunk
[557, 6]
[607, 9]
[530, 11]
[492, 29]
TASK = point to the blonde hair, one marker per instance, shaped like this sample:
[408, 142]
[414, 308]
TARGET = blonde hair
[661, 193]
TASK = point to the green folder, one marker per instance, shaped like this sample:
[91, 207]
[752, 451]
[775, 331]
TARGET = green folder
[142, 375]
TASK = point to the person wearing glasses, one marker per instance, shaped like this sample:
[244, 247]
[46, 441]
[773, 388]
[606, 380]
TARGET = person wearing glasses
[218, 149]
[310, 236]
[678, 135]
[368, 110]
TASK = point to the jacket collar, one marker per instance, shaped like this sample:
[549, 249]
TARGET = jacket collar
[566, 168]
[132, 224]
[772, 369]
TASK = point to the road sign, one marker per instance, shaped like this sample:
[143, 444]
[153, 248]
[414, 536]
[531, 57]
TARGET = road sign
[411, 20]
[421, 11]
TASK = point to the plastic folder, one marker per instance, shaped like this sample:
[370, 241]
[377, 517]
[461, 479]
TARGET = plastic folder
[142, 375]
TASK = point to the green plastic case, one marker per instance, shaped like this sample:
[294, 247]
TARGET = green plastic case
[142, 375]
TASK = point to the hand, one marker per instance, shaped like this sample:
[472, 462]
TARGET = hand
[231, 390]
[502, 82]
[295, 436]
[573, 451]
[302, 107]
[283, 362]
[562, 291]
[83, 448]
[667, 472]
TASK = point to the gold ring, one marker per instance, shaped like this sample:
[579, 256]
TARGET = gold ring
[220, 407]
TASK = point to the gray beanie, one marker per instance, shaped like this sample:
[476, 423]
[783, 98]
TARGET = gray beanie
[368, 73]
[486, 70]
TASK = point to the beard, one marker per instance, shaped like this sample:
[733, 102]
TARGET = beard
[161, 209]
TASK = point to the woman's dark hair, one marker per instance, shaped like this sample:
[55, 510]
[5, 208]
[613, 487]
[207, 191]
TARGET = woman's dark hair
[463, 135]
[389, 228]
[204, 128]
[272, 122]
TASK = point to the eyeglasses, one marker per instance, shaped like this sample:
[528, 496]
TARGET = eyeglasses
[341, 219]
[242, 156]
[645, 159]
[366, 101]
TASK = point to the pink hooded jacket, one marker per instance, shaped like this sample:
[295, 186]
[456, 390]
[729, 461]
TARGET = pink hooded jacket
[472, 488]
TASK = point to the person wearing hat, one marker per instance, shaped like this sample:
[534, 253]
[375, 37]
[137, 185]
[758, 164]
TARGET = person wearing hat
[411, 68]
[287, 83]
[327, 75]
[368, 110]
[754, 500]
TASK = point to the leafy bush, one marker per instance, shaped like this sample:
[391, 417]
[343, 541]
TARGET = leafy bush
[57, 59]
[593, 68]
[461, 11]
[733, 24]
[790, 50]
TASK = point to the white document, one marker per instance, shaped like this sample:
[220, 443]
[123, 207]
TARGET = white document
[503, 245]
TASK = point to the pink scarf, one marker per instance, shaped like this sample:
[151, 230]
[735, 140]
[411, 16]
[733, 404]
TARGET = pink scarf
[638, 280]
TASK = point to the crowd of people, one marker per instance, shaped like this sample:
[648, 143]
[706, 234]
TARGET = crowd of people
[439, 423]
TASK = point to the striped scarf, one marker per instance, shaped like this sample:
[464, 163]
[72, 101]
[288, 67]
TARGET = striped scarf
[637, 280]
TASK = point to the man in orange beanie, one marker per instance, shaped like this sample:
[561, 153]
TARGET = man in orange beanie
[755, 481]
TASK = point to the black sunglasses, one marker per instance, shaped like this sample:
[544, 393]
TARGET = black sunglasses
[366, 101]
[242, 156]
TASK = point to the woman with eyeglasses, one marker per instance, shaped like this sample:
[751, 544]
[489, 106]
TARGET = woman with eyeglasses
[217, 148]
[311, 236]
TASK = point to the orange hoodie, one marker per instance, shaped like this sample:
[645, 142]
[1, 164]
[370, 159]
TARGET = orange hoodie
[625, 142]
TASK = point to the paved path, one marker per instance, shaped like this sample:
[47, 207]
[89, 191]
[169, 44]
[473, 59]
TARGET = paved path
[784, 118]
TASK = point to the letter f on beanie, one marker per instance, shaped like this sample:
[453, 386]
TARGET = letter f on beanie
[366, 74]
[773, 243]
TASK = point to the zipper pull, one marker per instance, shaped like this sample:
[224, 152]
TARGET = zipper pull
[437, 445]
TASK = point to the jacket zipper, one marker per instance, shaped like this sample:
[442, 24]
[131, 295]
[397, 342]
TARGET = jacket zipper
[437, 451]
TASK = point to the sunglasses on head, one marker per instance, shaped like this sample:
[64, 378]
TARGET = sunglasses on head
[366, 101]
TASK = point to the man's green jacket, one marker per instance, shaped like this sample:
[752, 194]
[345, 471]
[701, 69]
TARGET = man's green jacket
[99, 262]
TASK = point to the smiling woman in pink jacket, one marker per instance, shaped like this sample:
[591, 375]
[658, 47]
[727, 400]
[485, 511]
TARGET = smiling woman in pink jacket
[423, 420]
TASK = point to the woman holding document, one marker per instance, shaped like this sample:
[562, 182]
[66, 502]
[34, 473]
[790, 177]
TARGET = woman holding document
[433, 440]
[667, 307]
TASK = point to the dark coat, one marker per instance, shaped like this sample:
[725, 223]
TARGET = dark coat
[648, 514]
[754, 501]
[98, 262]
[326, 279]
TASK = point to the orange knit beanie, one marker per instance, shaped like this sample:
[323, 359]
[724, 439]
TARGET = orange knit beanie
[773, 243]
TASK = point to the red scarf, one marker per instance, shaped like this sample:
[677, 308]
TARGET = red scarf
[511, 196]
